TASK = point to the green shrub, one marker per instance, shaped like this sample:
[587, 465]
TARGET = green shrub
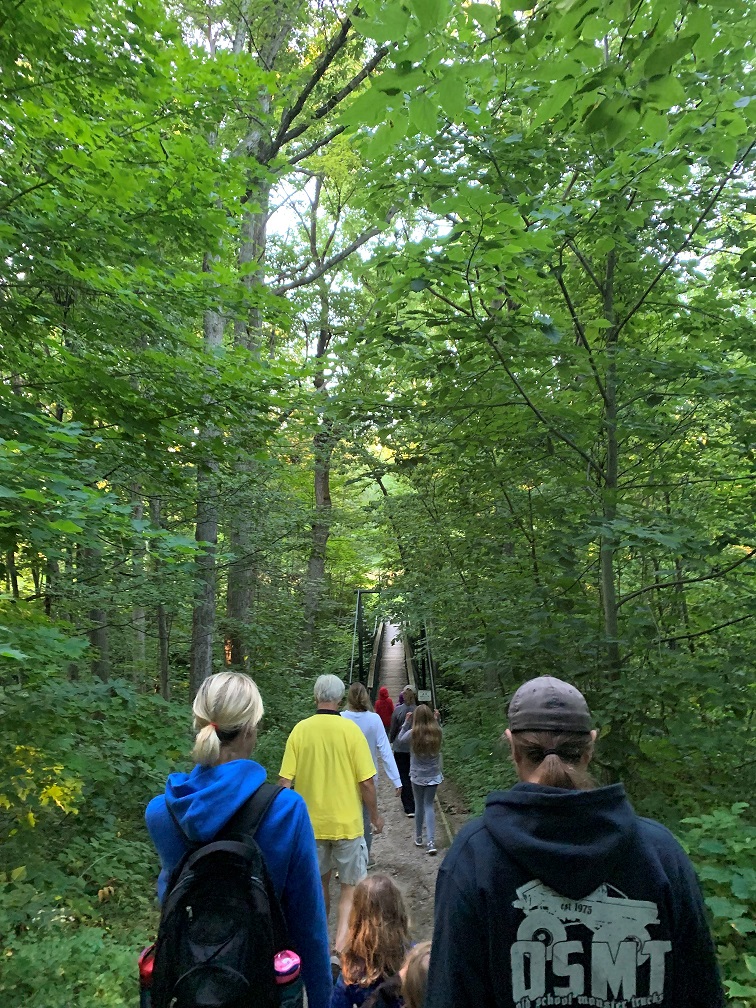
[77, 899]
[722, 846]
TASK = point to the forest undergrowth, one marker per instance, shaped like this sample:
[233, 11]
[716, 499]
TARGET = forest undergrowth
[78, 897]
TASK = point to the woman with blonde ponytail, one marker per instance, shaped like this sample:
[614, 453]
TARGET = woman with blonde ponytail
[196, 806]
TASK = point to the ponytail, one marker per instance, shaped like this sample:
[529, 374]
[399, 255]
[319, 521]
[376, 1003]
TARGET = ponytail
[555, 758]
[206, 749]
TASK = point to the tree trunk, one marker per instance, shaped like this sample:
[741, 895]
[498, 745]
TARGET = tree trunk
[52, 572]
[203, 615]
[98, 638]
[206, 530]
[323, 443]
[139, 614]
[98, 631]
[248, 333]
[164, 666]
[611, 483]
[270, 39]
[10, 566]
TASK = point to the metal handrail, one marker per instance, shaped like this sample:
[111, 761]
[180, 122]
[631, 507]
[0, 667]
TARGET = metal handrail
[354, 641]
[375, 660]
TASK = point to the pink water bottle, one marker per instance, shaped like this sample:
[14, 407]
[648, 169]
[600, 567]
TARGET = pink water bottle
[287, 966]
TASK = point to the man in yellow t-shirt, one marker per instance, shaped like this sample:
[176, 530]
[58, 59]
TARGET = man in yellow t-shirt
[328, 762]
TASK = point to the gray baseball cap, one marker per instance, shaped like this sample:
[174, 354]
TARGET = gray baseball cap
[548, 704]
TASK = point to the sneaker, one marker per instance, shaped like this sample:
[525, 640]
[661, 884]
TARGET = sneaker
[418, 843]
[335, 966]
[432, 849]
[410, 815]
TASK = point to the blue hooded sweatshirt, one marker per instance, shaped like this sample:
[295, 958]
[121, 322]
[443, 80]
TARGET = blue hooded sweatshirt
[203, 802]
[559, 897]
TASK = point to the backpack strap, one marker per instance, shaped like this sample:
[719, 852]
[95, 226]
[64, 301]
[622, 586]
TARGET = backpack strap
[246, 820]
[192, 845]
[244, 823]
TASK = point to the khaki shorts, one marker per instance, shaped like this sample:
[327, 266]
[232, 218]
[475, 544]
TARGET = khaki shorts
[348, 857]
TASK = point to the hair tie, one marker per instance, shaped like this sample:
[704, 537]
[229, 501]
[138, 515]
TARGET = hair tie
[213, 725]
[551, 752]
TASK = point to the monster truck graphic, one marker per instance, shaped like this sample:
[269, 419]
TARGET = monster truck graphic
[612, 919]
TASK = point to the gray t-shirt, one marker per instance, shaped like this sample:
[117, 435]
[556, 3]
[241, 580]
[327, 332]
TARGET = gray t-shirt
[397, 723]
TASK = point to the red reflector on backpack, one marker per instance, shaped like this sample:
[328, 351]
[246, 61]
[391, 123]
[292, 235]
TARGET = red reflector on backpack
[146, 964]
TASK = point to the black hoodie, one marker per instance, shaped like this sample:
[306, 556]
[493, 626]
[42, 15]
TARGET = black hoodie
[560, 897]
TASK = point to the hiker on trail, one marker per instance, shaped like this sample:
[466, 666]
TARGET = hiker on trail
[384, 707]
[358, 710]
[197, 806]
[422, 730]
[402, 749]
[560, 893]
[406, 989]
[327, 760]
[414, 974]
[376, 943]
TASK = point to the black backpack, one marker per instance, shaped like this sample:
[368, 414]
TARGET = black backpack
[221, 923]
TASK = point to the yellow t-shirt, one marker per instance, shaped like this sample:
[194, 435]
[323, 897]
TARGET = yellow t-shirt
[327, 756]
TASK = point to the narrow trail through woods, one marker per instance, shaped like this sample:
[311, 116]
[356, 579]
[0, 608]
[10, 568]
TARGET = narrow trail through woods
[394, 851]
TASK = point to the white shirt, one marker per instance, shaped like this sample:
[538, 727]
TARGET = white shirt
[372, 728]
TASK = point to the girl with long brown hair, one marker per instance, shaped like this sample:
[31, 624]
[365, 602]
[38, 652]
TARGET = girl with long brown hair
[377, 941]
[424, 733]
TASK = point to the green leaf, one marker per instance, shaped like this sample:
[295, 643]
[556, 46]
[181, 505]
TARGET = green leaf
[368, 109]
[451, 95]
[485, 15]
[9, 652]
[664, 57]
[726, 908]
[65, 525]
[423, 115]
[430, 13]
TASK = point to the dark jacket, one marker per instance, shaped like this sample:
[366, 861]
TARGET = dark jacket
[354, 995]
[560, 897]
[388, 995]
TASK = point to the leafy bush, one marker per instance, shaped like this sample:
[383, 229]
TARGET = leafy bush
[723, 847]
[77, 899]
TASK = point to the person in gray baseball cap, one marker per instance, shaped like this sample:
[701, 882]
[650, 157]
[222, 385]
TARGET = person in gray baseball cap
[560, 894]
[551, 734]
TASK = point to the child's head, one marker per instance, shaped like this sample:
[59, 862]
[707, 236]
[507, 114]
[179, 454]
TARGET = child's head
[378, 936]
[415, 975]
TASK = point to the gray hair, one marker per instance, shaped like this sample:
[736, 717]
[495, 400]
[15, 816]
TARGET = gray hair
[328, 689]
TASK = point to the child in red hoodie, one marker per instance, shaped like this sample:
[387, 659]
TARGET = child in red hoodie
[384, 707]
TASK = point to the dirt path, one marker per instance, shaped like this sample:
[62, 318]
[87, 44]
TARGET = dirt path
[411, 868]
[394, 850]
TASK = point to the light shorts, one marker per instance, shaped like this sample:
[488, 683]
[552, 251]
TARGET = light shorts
[348, 857]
